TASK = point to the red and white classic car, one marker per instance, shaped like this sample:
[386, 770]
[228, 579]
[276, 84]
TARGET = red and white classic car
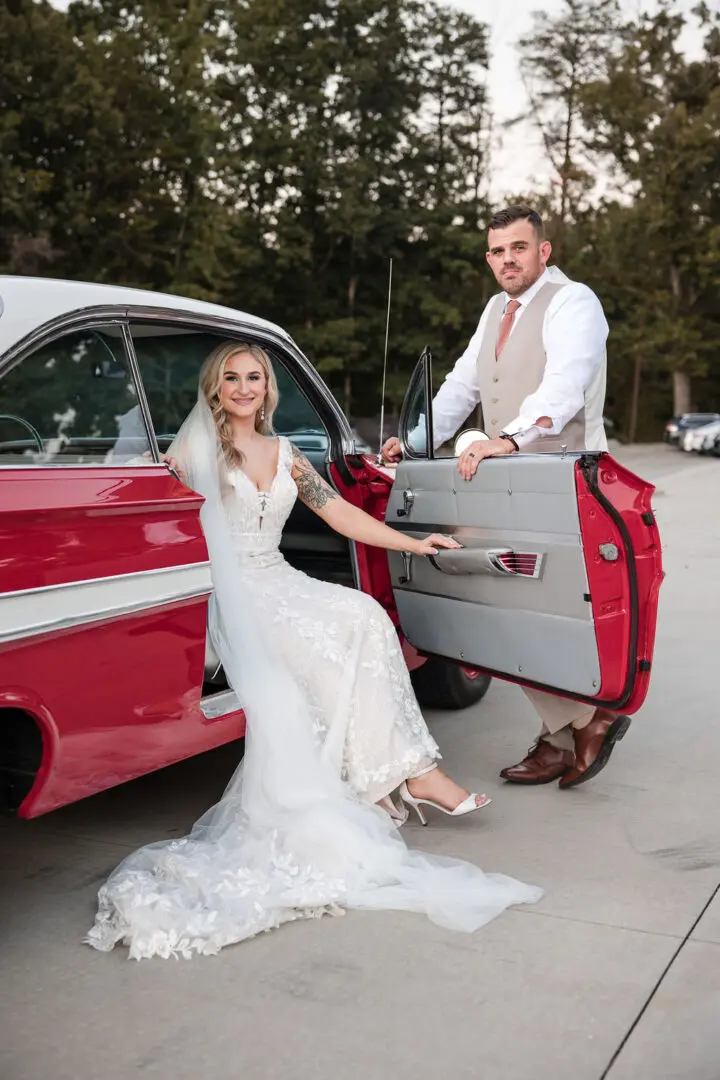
[105, 672]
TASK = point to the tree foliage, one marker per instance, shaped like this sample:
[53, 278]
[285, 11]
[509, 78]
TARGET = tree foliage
[647, 120]
[268, 154]
[273, 155]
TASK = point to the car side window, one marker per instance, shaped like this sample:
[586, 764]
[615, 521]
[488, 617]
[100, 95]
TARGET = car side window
[170, 359]
[416, 427]
[72, 401]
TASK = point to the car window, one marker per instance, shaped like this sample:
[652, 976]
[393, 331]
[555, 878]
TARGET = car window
[414, 434]
[72, 402]
[170, 360]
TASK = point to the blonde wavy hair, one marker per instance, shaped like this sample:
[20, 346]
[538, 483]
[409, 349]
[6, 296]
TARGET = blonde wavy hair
[211, 380]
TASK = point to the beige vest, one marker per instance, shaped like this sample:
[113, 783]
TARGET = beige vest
[505, 383]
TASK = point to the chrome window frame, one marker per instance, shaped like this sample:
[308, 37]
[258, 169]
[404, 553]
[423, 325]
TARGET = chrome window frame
[75, 322]
[421, 377]
[340, 437]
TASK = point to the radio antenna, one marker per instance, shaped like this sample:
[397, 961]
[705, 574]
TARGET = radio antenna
[387, 336]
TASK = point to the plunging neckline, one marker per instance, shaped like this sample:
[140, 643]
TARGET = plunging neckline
[252, 483]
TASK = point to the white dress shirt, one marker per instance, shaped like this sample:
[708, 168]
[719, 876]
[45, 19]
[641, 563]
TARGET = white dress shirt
[574, 335]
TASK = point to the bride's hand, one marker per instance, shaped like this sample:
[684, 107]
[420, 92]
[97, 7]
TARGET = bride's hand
[172, 464]
[431, 544]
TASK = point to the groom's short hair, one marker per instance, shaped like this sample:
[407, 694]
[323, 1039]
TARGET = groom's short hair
[519, 212]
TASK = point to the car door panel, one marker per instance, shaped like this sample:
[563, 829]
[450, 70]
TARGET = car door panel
[527, 598]
[82, 523]
[539, 629]
[103, 611]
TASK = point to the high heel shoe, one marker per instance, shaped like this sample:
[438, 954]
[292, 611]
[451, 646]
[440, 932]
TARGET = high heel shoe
[397, 814]
[467, 806]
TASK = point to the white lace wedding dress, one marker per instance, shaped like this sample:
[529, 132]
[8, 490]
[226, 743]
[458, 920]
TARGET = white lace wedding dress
[339, 643]
[333, 726]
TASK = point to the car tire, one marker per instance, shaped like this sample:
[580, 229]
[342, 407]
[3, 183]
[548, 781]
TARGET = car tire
[442, 685]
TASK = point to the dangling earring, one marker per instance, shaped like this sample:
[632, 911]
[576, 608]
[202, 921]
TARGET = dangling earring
[262, 413]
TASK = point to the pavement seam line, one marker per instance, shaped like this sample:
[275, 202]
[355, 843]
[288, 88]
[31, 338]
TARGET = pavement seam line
[534, 913]
[663, 975]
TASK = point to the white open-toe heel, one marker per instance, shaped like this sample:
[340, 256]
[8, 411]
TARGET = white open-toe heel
[467, 806]
[397, 814]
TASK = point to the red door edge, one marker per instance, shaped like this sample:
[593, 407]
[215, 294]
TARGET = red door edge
[615, 512]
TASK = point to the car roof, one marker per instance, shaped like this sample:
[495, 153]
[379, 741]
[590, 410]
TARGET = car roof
[27, 303]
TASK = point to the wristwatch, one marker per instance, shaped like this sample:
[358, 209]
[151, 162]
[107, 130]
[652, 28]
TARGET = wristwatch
[504, 435]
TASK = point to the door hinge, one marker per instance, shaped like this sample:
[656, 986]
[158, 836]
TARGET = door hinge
[644, 665]
[648, 517]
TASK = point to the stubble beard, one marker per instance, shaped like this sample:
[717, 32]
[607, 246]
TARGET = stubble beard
[516, 288]
[520, 285]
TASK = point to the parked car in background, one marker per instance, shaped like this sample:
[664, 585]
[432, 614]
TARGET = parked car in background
[106, 672]
[702, 439]
[676, 428]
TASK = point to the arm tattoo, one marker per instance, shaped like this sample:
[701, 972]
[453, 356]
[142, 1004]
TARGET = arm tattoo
[312, 489]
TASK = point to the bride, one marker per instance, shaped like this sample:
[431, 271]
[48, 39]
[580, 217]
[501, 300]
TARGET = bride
[307, 825]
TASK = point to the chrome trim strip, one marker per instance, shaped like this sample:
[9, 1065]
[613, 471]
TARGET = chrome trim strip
[133, 463]
[77, 320]
[215, 706]
[86, 618]
[81, 603]
[134, 574]
[134, 367]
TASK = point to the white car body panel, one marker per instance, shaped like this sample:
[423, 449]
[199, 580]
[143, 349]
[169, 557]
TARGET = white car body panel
[34, 302]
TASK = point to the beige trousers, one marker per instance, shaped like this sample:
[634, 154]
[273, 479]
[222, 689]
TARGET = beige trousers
[559, 716]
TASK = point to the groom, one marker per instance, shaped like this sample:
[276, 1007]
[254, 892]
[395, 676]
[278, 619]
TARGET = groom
[536, 365]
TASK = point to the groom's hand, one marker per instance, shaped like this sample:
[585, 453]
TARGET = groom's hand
[483, 448]
[391, 451]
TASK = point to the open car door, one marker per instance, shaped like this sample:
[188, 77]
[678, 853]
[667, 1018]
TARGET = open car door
[556, 585]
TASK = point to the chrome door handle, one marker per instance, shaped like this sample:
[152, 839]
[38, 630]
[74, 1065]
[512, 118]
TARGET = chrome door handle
[498, 562]
[470, 560]
[408, 500]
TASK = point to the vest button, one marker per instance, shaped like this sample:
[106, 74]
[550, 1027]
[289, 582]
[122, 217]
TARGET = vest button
[495, 378]
[494, 423]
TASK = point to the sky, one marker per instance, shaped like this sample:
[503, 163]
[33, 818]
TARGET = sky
[517, 155]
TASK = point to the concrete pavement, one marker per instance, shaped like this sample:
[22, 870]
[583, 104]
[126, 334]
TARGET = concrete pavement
[615, 974]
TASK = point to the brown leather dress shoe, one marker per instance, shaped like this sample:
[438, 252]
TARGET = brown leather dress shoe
[543, 764]
[594, 744]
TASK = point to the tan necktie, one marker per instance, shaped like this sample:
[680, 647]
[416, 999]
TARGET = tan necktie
[506, 324]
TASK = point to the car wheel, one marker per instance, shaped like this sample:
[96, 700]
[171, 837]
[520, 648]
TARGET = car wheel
[442, 685]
